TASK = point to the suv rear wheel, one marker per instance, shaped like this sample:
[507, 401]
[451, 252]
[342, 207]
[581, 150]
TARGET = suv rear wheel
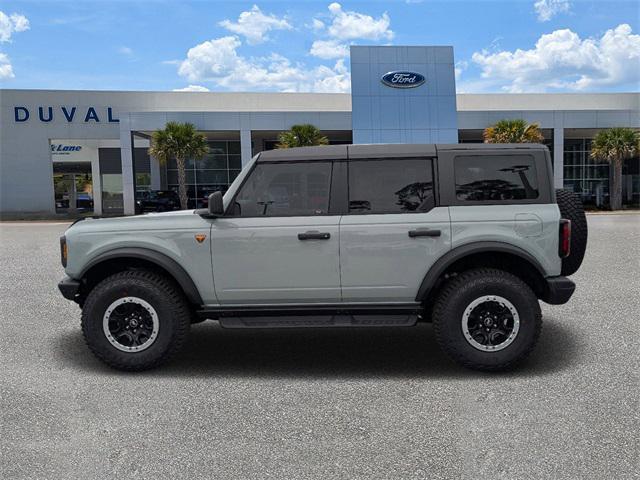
[487, 319]
[135, 320]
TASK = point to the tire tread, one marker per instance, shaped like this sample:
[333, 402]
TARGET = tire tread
[439, 318]
[572, 209]
[172, 293]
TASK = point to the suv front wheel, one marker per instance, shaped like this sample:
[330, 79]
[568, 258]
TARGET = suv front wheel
[487, 319]
[135, 320]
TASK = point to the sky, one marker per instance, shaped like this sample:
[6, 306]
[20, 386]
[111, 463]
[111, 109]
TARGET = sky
[499, 46]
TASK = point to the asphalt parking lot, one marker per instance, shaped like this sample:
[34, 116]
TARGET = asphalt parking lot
[342, 403]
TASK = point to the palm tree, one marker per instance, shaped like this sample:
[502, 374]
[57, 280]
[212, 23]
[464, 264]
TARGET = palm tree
[614, 146]
[180, 141]
[513, 131]
[301, 136]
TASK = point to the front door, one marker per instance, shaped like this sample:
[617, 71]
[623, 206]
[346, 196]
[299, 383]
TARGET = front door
[393, 233]
[279, 244]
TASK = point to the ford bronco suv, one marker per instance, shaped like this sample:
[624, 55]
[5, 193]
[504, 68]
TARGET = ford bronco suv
[469, 237]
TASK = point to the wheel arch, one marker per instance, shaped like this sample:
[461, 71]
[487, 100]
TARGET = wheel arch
[484, 254]
[136, 257]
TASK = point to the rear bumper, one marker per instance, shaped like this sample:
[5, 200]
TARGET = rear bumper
[69, 288]
[558, 290]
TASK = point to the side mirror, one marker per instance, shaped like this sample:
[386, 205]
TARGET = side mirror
[216, 206]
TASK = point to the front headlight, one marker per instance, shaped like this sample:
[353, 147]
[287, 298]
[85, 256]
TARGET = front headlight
[63, 250]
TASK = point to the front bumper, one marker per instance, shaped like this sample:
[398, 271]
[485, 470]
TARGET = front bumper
[558, 290]
[69, 288]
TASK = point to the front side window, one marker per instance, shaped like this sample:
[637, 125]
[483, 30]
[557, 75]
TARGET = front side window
[391, 186]
[285, 189]
[495, 177]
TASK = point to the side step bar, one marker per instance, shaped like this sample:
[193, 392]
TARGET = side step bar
[295, 316]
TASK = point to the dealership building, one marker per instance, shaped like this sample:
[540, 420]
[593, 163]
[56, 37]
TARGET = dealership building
[65, 151]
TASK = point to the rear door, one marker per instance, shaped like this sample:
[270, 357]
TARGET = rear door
[279, 244]
[394, 230]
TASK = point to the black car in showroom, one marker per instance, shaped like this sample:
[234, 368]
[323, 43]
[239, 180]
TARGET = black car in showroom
[157, 201]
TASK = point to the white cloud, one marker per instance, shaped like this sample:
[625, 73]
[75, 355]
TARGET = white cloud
[346, 26]
[10, 24]
[210, 59]
[254, 25]
[329, 49]
[561, 60]
[219, 62]
[6, 70]
[349, 25]
[192, 88]
[547, 9]
[332, 80]
[317, 25]
[125, 51]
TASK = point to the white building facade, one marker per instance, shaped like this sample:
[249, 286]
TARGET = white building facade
[86, 151]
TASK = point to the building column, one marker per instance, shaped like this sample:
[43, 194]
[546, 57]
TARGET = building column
[245, 147]
[126, 158]
[154, 166]
[558, 157]
[96, 184]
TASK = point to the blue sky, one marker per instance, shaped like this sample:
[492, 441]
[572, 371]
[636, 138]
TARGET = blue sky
[512, 46]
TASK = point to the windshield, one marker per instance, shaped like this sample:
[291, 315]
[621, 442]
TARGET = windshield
[235, 185]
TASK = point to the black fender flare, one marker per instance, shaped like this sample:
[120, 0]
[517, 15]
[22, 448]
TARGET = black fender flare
[452, 256]
[160, 259]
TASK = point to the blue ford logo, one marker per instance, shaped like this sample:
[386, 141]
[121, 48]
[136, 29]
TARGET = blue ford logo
[401, 79]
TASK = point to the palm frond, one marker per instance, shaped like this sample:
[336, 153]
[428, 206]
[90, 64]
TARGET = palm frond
[304, 135]
[513, 131]
[615, 145]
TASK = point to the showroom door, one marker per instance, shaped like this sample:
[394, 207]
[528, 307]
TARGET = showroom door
[73, 187]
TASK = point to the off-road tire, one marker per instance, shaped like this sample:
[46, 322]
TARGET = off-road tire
[459, 292]
[162, 294]
[571, 208]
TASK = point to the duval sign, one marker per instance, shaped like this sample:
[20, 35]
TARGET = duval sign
[66, 113]
[403, 79]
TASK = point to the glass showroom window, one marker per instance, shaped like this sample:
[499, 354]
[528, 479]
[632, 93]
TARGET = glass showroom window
[583, 175]
[214, 172]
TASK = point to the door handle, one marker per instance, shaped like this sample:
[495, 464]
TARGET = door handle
[314, 235]
[424, 232]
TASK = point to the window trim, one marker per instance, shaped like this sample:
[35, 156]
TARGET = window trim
[434, 176]
[227, 213]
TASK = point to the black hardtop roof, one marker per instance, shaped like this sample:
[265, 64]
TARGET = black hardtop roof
[332, 152]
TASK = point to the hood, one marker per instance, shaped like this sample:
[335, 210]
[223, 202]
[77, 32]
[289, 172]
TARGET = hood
[174, 220]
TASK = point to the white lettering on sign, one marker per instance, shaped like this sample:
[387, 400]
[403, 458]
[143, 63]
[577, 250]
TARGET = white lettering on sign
[403, 78]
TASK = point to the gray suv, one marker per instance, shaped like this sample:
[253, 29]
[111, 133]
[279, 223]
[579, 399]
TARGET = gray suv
[469, 237]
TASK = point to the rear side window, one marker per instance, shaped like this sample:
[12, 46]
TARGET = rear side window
[495, 177]
[391, 186]
[285, 189]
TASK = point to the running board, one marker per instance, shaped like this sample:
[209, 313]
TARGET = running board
[320, 321]
[314, 316]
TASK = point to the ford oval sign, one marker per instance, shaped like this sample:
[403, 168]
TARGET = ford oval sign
[401, 79]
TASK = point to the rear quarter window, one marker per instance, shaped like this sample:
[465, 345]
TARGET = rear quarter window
[495, 178]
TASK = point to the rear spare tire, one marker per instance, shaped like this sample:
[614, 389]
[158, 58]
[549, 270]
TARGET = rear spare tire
[571, 208]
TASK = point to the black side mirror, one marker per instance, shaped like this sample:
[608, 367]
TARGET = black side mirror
[216, 206]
